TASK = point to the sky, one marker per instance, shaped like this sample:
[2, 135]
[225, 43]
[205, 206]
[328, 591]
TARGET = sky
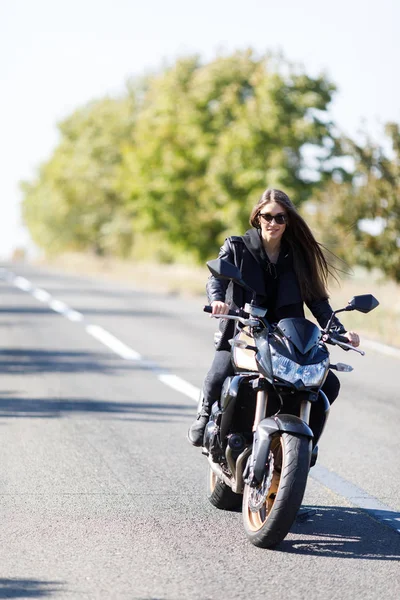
[57, 55]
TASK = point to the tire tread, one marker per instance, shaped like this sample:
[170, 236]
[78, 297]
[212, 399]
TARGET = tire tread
[223, 497]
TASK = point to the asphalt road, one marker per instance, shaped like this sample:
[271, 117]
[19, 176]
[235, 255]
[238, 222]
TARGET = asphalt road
[101, 495]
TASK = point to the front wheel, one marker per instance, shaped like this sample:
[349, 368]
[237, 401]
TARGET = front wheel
[220, 494]
[270, 509]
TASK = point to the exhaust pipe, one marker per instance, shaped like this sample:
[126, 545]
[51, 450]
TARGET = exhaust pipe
[237, 468]
[219, 472]
[236, 481]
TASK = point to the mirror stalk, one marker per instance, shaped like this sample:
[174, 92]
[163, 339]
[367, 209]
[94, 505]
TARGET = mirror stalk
[329, 324]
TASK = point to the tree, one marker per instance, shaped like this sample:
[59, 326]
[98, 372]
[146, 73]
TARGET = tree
[74, 204]
[210, 138]
[360, 219]
[182, 156]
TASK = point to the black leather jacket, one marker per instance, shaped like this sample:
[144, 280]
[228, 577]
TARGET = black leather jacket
[247, 253]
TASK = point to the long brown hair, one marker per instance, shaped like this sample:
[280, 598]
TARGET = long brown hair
[310, 265]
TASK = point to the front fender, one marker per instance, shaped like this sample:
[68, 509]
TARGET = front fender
[262, 441]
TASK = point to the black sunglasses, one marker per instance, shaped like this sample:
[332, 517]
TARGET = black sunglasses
[280, 218]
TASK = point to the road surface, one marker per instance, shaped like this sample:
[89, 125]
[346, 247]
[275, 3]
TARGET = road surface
[101, 495]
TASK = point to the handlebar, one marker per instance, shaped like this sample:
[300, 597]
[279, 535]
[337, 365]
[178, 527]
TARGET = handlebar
[340, 338]
[241, 315]
[233, 313]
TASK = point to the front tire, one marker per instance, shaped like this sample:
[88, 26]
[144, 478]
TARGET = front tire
[270, 509]
[220, 494]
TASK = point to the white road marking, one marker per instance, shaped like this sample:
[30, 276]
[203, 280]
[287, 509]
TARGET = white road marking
[23, 284]
[59, 306]
[176, 383]
[41, 295]
[74, 315]
[356, 496]
[113, 343]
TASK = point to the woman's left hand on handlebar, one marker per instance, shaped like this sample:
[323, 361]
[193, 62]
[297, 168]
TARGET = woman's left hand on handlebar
[353, 338]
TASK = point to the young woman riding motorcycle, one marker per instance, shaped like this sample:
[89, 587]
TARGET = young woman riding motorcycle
[282, 261]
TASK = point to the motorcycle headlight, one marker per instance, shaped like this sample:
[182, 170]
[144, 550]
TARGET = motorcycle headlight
[310, 375]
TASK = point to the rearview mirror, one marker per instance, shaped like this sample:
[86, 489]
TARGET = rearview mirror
[222, 269]
[364, 303]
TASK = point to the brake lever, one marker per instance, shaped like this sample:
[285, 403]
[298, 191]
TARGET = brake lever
[343, 345]
[349, 347]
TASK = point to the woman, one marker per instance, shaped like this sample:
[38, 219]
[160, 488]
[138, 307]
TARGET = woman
[280, 259]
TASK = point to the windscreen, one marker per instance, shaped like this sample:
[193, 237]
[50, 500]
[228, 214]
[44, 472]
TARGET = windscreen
[303, 334]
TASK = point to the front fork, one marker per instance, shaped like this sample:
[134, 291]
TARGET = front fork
[261, 408]
[263, 436]
[305, 410]
[262, 404]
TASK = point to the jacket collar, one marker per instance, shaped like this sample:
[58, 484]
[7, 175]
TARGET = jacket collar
[253, 243]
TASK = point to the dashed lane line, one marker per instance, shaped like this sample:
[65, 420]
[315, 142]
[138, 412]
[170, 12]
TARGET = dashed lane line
[113, 343]
[105, 337]
[357, 496]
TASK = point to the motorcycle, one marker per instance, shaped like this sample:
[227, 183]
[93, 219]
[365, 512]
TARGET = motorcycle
[258, 441]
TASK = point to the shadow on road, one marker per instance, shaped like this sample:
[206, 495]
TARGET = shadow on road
[45, 408]
[27, 310]
[44, 310]
[343, 532]
[27, 361]
[27, 588]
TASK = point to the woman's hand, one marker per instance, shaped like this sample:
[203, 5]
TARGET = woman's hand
[353, 338]
[219, 308]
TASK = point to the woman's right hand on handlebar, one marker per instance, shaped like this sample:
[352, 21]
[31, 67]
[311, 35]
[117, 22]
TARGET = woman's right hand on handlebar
[219, 308]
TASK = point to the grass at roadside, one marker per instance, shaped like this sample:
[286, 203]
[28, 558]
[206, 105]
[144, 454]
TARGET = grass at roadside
[382, 324]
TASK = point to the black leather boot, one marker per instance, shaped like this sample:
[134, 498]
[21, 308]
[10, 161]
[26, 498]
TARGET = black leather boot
[196, 430]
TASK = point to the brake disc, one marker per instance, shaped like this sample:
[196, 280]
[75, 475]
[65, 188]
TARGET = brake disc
[258, 495]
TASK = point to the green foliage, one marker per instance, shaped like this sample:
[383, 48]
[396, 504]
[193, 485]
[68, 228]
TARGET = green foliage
[360, 219]
[175, 165]
[210, 138]
[183, 156]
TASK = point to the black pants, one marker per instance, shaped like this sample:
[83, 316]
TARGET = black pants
[221, 368]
